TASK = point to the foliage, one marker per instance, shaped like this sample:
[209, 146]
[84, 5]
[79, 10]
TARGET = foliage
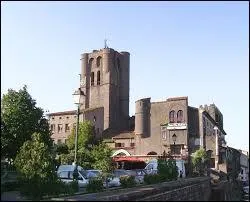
[127, 181]
[20, 118]
[101, 157]
[61, 149]
[36, 170]
[10, 186]
[167, 169]
[85, 136]
[199, 161]
[34, 159]
[95, 185]
[152, 178]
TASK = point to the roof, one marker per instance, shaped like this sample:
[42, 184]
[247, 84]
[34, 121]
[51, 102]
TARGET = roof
[125, 135]
[72, 112]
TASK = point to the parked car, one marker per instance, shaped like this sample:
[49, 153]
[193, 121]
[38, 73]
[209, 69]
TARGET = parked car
[137, 173]
[113, 181]
[151, 167]
[65, 173]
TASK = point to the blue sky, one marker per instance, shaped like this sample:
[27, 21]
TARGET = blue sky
[194, 49]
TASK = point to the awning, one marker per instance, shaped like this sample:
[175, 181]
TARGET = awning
[128, 158]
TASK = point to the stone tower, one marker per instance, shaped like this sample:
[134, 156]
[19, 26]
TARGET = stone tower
[105, 82]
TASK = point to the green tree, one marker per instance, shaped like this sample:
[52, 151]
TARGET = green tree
[36, 169]
[85, 135]
[35, 159]
[101, 155]
[20, 118]
[199, 160]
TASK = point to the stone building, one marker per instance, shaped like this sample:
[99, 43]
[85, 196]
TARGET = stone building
[171, 125]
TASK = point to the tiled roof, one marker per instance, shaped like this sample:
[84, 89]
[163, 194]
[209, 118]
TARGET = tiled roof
[72, 112]
[125, 135]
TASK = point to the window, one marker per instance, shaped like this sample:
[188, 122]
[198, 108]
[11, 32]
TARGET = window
[179, 116]
[67, 117]
[59, 128]
[119, 144]
[99, 61]
[64, 175]
[67, 127]
[171, 116]
[91, 62]
[175, 149]
[60, 117]
[59, 141]
[132, 144]
[98, 78]
[53, 118]
[52, 127]
[164, 133]
[92, 78]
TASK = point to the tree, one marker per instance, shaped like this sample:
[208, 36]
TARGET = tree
[85, 135]
[35, 160]
[36, 169]
[199, 160]
[20, 118]
[101, 155]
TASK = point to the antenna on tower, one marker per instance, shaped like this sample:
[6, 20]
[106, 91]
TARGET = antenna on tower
[105, 43]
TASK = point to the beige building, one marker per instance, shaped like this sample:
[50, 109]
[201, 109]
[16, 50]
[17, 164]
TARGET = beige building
[171, 125]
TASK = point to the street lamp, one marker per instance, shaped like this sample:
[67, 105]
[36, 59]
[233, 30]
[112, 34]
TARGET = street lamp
[77, 100]
[216, 146]
[174, 140]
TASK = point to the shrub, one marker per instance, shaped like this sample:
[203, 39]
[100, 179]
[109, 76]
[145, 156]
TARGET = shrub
[153, 178]
[167, 169]
[95, 185]
[127, 181]
[10, 186]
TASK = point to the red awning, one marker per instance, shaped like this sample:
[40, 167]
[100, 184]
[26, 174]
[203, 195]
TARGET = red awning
[128, 158]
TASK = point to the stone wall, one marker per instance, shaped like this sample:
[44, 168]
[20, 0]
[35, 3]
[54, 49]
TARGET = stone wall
[197, 189]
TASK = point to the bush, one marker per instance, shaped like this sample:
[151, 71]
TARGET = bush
[167, 169]
[36, 189]
[153, 178]
[10, 186]
[95, 185]
[127, 181]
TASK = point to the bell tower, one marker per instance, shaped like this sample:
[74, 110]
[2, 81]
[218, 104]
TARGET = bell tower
[105, 83]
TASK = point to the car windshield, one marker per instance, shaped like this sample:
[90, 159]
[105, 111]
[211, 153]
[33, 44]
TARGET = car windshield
[87, 174]
[95, 172]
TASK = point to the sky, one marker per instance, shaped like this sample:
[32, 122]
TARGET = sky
[194, 49]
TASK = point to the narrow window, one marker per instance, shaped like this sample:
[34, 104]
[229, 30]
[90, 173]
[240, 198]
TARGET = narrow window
[91, 62]
[132, 144]
[92, 78]
[98, 78]
[60, 127]
[99, 61]
[171, 116]
[52, 128]
[179, 116]
[66, 127]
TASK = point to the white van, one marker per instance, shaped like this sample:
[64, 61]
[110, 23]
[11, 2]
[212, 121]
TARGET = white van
[151, 167]
[65, 173]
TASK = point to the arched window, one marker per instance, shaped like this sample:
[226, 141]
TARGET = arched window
[171, 116]
[180, 116]
[91, 62]
[98, 78]
[99, 61]
[152, 153]
[92, 78]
